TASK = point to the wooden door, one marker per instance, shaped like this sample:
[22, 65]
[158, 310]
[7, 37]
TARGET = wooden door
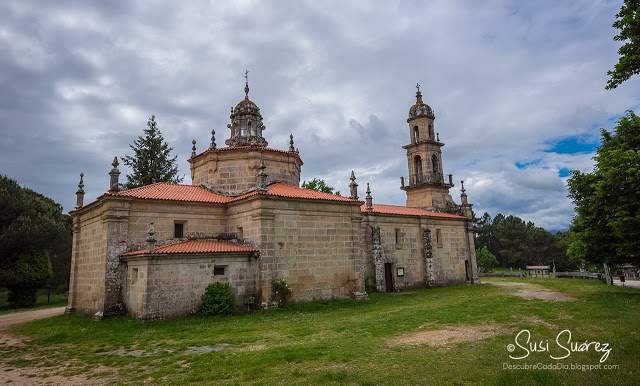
[388, 277]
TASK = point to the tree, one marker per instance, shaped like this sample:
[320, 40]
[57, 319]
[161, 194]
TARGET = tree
[32, 272]
[319, 185]
[516, 243]
[606, 228]
[486, 260]
[628, 24]
[151, 161]
[32, 225]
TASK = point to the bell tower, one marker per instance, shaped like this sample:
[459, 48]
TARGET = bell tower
[426, 186]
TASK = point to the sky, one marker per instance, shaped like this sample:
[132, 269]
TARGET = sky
[517, 89]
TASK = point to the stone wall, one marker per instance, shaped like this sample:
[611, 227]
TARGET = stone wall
[406, 250]
[169, 286]
[314, 246]
[235, 172]
[86, 288]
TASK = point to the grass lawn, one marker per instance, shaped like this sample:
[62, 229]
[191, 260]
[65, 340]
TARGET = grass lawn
[348, 342]
[57, 300]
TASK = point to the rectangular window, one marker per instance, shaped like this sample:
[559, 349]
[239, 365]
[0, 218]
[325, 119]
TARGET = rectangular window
[398, 237]
[178, 230]
[218, 270]
[240, 233]
[438, 237]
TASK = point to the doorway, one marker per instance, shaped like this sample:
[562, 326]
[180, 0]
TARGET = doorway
[388, 277]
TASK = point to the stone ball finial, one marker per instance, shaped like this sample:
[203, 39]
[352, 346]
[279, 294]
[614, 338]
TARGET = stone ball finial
[213, 139]
[193, 148]
[114, 174]
[291, 148]
[369, 199]
[353, 187]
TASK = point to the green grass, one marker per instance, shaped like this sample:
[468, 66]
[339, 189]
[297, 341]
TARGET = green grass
[345, 342]
[57, 300]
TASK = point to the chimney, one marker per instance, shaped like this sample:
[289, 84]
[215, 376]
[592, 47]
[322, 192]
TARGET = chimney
[114, 185]
[80, 192]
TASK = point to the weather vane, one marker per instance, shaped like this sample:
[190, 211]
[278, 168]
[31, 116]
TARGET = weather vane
[418, 86]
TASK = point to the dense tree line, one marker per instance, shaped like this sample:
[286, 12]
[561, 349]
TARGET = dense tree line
[35, 242]
[516, 243]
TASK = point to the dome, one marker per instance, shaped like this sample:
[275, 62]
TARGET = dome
[420, 109]
[246, 106]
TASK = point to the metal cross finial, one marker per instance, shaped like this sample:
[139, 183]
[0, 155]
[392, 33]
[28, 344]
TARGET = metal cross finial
[246, 84]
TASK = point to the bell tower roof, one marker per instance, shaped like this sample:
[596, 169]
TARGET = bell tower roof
[246, 122]
[420, 109]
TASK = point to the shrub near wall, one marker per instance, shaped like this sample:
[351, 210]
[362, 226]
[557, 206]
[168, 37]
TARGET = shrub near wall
[217, 300]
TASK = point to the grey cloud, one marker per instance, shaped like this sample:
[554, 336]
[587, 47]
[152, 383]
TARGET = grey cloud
[80, 79]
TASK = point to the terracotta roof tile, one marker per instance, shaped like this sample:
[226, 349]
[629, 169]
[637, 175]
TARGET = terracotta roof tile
[404, 211]
[280, 189]
[173, 192]
[194, 246]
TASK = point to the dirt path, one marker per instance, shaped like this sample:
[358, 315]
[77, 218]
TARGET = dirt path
[531, 291]
[28, 375]
[8, 320]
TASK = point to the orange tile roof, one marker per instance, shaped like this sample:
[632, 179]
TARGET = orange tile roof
[194, 246]
[173, 192]
[404, 211]
[280, 189]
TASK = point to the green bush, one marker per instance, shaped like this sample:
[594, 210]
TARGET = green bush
[281, 291]
[217, 300]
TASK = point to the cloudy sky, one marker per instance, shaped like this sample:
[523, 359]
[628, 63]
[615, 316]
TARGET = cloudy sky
[517, 88]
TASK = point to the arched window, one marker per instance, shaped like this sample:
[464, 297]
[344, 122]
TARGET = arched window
[416, 134]
[417, 168]
[434, 164]
[249, 132]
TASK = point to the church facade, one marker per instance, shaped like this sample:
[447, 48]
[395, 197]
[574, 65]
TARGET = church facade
[151, 251]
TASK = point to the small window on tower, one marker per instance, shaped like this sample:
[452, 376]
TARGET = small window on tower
[416, 134]
[178, 230]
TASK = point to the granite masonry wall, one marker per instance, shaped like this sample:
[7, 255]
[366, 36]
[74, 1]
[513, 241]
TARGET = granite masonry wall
[235, 172]
[169, 286]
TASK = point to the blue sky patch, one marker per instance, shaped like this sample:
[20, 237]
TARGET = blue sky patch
[564, 172]
[572, 145]
[526, 164]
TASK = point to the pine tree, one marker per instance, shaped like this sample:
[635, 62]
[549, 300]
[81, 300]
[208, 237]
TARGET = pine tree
[151, 161]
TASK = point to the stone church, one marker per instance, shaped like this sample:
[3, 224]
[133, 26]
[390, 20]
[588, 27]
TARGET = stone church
[151, 251]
